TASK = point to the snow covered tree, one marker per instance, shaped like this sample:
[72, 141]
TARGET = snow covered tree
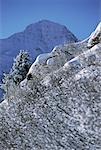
[18, 72]
[6, 84]
[20, 67]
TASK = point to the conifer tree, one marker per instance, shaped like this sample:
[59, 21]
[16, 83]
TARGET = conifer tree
[6, 84]
[20, 67]
[18, 72]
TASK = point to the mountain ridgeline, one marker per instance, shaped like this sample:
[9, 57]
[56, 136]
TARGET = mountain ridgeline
[37, 38]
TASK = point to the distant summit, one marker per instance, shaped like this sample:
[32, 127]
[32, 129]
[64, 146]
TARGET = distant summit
[37, 38]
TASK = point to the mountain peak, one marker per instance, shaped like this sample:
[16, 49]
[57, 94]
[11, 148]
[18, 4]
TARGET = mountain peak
[45, 21]
[53, 27]
[37, 38]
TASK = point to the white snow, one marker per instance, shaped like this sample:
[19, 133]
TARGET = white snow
[96, 35]
[42, 58]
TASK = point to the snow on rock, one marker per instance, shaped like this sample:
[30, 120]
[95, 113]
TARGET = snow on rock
[50, 62]
[57, 108]
[90, 57]
[95, 37]
[62, 111]
[42, 58]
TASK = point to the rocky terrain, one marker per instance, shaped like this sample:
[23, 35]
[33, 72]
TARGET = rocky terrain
[58, 105]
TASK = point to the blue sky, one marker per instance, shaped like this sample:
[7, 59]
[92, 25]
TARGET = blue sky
[80, 16]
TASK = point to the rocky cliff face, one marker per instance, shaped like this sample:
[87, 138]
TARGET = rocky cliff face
[58, 105]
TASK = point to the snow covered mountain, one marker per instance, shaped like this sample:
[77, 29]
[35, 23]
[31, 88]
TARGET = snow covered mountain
[37, 38]
[58, 105]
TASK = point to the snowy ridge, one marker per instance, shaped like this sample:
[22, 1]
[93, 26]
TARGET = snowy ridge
[46, 63]
[50, 62]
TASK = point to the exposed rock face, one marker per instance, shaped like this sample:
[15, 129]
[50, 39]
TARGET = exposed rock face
[58, 105]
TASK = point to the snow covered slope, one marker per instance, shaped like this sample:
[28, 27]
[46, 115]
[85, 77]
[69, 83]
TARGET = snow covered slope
[58, 105]
[50, 62]
[37, 38]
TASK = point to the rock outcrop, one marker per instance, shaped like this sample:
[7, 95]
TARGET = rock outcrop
[58, 105]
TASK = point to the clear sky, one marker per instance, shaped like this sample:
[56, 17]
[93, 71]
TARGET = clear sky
[80, 16]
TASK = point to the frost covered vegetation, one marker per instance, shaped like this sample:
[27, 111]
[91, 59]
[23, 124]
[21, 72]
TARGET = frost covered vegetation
[58, 105]
[18, 73]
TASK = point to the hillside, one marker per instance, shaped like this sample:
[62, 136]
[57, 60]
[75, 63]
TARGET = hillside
[58, 105]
